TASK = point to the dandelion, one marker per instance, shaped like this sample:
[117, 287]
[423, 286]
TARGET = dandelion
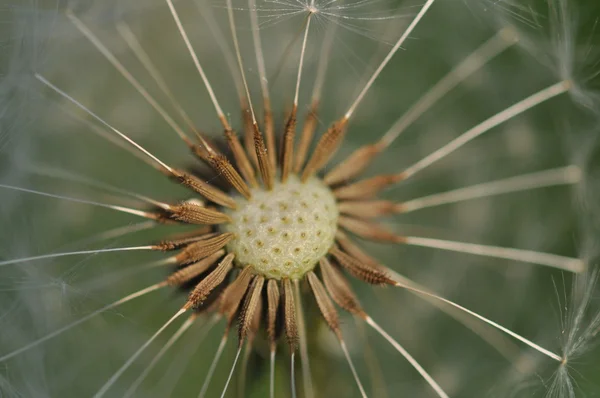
[272, 238]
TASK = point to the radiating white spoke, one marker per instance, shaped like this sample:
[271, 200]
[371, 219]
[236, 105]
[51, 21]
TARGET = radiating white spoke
[144, 58]
[485, 126]
[528, 256]
[354, 373]
[301, 63]
[124, 72]
[235, 361]
[440, 392]
[49, 336]
[132, 359]
[293, 374]
[123, 209]
[522, 339]
[238, 55]
[303, 345]
[213, 366]
[74, 253]
[542, 179]
[102, 121]
[260, 57]
[272, 374]
[389, 56]
[475, 61]
[184, 327]
[70, 176]
[194, 56]
[212, 23]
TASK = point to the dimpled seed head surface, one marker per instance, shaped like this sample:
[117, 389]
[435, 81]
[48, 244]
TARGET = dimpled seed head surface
[284, 232]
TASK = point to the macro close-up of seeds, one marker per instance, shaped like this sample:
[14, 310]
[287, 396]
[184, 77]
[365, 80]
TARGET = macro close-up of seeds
[290, 198]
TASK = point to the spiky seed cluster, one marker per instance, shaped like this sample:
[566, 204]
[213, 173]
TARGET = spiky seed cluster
[280, 220]
[278, 223]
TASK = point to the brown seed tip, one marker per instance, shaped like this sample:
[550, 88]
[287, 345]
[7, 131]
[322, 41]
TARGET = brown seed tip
[355, 164]
[287, 144]
[289, 315]
[326, 148]
[324, 303]
[248, 315]
[364, 271]
[212, 280]
[264, 164]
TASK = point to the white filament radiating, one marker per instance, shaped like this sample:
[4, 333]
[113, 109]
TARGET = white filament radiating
[235, 361]
[354, 373]
[293, 374]
[528, 256]
[190, 48]
[440, 392]
[272, 373]
[115, 304]
[471, 64]
[522, 339]
[144, 58]
[123, 209]
[541, 179]
[74, 253]
[66, 175]
[499, 118]
[126, 74]
[301, 63]
[260, 57]
[238, 55]
[132, 359]
[389, 56]
[184, 327]
[303, 345]
[213, 366]
[102, 121]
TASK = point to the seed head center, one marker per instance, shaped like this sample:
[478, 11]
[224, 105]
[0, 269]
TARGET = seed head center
[284, 232]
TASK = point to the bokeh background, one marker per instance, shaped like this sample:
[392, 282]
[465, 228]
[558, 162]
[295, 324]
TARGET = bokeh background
[46, 144]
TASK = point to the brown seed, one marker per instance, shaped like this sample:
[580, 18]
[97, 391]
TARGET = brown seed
[287, 144]
[326, 148]
[208, 191]
[223, 168]
[272, 308]
[212, 280]
[308, 130]
[353, 165]
[188, 273]
[264, 164]
[192, 213]
[289, 315]
[367, 230]
[366, 189]
[240, 157]
[324, 303]
[180, 240]
[355, 251]
[367, 208]
[270, 135]
[361, 270]
[339, 289]
[197, 251]
[247, 316]
[234, 293]
[249, 133]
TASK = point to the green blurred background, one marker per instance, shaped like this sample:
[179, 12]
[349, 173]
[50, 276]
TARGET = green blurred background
[42, 134]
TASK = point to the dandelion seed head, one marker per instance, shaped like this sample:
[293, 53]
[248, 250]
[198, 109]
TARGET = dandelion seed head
[476, 194]
[285, 231]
